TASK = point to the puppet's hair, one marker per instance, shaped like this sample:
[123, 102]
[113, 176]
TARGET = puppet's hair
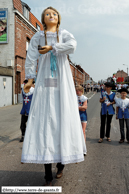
[80, 88]
[44, 25]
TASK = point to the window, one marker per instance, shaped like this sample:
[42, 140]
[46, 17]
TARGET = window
[26, 12]
[38, 27]
[27, 43]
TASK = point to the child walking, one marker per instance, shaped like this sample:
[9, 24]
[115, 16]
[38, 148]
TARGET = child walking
[122, 113]
[107, 99]
[27, 97]
[82, 104]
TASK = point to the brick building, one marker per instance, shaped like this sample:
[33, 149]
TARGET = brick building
[121, 75]
[79, 75]
[26, 25]
[22, 25]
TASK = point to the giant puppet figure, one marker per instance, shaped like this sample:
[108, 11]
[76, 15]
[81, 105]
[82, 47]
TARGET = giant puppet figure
[113, 80]
[54, 133]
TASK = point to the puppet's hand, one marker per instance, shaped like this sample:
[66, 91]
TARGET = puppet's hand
[45, 49]
[28, 85]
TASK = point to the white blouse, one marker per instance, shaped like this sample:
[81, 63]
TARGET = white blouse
[122, 103]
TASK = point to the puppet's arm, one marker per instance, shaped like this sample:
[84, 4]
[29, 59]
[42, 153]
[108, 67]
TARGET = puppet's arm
[68, 45]
[31, 61]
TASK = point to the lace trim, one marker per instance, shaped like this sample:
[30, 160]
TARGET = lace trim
[50, 34]
[32, 76]
[48, 160]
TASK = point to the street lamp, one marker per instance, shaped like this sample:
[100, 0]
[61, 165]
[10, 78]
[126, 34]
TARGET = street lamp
[127, 69]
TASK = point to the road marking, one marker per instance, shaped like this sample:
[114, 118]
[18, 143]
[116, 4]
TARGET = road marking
[91, 96]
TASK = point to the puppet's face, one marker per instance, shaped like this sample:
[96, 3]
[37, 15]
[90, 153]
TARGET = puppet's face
[50, 17]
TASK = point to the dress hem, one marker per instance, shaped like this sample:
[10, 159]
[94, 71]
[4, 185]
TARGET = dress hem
[56, 159]
[52, 161]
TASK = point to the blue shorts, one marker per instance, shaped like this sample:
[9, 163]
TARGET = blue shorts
[83, 115]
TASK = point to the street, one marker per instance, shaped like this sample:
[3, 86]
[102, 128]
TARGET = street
[104, 171]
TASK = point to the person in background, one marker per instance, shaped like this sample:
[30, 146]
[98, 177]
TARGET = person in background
[84, 89]
[91, 87]
[88, 87]
[107, 99]
[119, 86]
[125, 85]
[94, 86]
[27, 97]
[82, 104]
[122, 113]
[98, 88]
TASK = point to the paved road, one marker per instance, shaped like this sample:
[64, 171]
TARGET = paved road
[104, 171]
[9, 123]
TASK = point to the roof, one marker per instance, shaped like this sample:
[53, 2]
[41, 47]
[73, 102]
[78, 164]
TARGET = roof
[34, 21]
[24, 4]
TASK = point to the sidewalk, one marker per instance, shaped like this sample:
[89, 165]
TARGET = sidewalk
[10, 119]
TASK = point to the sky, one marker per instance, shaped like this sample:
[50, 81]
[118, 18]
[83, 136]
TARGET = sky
[101, 28]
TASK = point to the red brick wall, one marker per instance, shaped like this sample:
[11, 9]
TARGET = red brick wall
[17, 5]
[22, 31]
[78, 76]
[73, 72]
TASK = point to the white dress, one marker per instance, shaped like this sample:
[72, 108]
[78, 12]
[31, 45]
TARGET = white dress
[54, 132]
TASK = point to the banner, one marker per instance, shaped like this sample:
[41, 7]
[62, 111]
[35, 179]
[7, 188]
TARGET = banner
[3, 26]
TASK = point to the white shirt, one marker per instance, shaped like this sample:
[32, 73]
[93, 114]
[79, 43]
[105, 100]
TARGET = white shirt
[122, 103]
[119, 86]
[125, 86]
[82, 99]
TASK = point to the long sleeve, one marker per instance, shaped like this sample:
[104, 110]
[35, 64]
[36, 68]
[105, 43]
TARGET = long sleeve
[67, 47]
[32, 56]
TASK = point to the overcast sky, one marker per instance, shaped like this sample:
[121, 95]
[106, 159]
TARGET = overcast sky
[101, 28]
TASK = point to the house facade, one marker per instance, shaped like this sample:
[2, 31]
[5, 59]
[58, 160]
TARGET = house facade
[22, 25]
